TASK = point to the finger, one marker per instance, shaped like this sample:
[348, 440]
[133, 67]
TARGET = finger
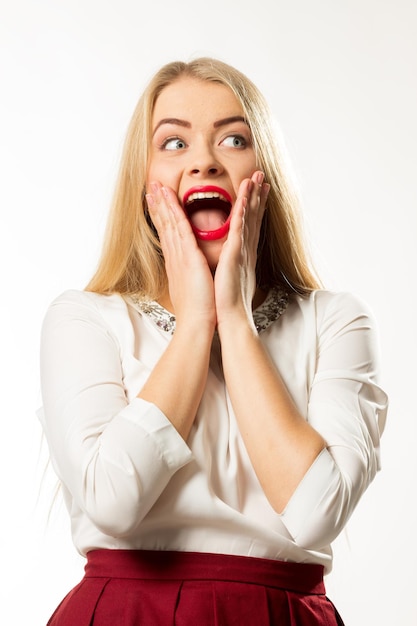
[263, 199]
[154, 199]
[257, 201]
[177, 239]
[177, 212]
[164, 208]
[239, 208]
[256, 195]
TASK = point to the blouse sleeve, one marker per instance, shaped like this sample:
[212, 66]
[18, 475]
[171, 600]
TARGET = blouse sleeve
[114, 456]
[347, 406]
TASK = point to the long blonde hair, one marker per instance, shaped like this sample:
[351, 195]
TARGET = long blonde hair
[132, 260]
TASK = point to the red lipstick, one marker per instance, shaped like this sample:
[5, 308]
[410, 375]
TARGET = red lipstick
[198, 198]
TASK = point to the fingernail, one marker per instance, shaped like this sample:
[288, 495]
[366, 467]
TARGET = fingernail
[154, 187]
[260, 178]
[150, 200]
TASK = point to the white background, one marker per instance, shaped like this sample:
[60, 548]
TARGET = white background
[341, 79]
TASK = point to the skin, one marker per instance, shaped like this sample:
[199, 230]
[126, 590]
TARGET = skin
[212, 285]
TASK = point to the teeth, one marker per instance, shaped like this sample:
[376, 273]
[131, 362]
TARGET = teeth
[200, 195]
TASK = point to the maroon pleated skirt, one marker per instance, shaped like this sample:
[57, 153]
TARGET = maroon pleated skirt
[157, 588]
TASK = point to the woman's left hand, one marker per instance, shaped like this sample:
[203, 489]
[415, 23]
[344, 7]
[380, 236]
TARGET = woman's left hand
[235, 280]
[281, 444]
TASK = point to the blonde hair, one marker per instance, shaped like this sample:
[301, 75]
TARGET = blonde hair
[132, 261]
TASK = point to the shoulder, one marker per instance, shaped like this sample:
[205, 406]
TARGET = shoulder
[77, 306]
[335, 310]
[86, 316]
[91, 322]
[77, 299]
[327, 302]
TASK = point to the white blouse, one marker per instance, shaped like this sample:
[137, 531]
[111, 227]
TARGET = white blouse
[129, 479]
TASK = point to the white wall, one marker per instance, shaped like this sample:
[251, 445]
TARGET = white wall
[341, 78]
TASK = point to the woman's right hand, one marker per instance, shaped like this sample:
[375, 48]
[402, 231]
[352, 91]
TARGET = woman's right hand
[190, 282]
[191, 298]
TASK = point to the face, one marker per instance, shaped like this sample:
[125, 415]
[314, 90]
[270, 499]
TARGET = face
[202, 149]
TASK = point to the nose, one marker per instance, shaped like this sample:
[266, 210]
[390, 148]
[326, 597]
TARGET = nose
[203, 163]
[211, 171]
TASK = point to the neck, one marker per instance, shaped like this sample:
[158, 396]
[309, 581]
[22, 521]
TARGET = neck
[165, 300]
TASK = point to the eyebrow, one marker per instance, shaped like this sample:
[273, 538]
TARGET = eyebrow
[185, 124]
[230, 120]
[172, 120]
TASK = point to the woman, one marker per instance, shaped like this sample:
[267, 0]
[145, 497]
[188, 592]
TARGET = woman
[212, 413]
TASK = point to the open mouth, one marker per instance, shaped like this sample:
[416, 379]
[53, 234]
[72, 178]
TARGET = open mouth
[208, 209]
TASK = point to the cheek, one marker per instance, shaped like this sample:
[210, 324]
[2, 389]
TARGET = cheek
[152, 174]
[248, 168]
[164, 174]
[156, 168]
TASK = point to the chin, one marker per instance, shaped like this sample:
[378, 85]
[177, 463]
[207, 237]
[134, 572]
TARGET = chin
[212, 250]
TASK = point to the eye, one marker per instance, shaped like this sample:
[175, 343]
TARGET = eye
[173, 143]
[235, 141]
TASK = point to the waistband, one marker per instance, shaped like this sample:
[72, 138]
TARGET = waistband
[162, 565]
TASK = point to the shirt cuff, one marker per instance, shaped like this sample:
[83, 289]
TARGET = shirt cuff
[310, 494]
[172, 447]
